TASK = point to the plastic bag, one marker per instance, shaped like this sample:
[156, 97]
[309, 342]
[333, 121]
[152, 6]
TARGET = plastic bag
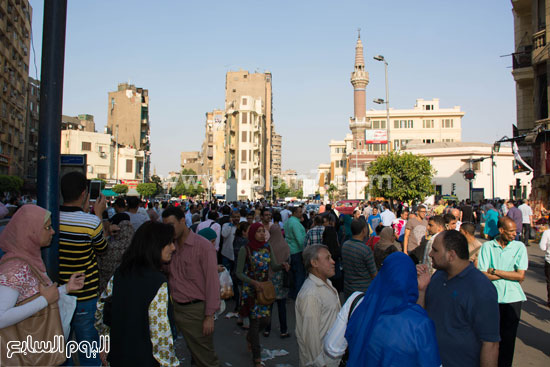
[226, 285]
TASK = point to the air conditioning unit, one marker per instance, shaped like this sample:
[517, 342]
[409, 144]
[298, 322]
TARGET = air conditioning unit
[102, 154]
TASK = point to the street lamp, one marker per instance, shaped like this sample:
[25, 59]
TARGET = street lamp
[382, 59]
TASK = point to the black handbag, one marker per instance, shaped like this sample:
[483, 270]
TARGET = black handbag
[288, 279]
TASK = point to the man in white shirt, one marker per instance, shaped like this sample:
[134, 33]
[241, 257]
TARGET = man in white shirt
[189, 216]
[285, 214]
[387, 215]
[545, 246]
[137, 216]
[317, 307]
[228, 235]
[527, 221]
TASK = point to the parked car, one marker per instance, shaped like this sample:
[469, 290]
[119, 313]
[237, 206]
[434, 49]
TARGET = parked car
[346, 206]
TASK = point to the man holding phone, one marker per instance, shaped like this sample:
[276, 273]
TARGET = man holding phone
[80, 240]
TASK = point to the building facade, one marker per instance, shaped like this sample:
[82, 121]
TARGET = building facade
[15, 30]
[128, 120]
[213, 150]
[249, 132]
[450, 160]
[97, 147]
[530, 69]
[191, 160]
[82, 122]
[276, 155]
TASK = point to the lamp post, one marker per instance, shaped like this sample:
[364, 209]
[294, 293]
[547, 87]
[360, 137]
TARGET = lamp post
[381, 58]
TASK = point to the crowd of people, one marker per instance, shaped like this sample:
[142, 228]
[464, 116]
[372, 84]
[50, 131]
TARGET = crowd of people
[388, 285]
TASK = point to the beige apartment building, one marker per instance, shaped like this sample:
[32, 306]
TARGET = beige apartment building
[276, 155]
[213, 150]
[530, 69]
[15, 30]
[249, 132]
[191, 160]
[128, 120]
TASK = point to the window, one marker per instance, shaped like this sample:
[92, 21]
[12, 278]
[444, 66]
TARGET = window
[244, 117]
[429, 107]
[427, 141]
[376, 147]
[428, 124]
[244, 101]
[447, 140]
[243, 156]
[243, 138]
[447, 123]
[243, 174]
[379, 124]
[112, 103]
[129, 166]
[396, 144]
[403, 124]
[86, 145]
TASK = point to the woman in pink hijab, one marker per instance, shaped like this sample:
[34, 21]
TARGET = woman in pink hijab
[27, 232]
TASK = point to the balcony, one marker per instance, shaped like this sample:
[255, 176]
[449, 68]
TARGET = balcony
[522, 59]
[539, 39]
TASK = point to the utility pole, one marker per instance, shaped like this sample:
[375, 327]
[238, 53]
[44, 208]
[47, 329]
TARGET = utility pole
[51, 106]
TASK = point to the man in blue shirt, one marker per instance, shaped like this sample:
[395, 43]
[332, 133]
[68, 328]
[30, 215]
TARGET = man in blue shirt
[462, 303]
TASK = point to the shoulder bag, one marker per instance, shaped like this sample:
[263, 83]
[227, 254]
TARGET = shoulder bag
[267, 296]
[44, 327]
[345, 357]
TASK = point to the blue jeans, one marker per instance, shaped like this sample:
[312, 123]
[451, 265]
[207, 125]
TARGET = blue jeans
[83, 328]
[299, 272]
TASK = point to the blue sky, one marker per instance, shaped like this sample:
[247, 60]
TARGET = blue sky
[181, 50]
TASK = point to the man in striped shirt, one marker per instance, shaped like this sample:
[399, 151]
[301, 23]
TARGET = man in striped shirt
[357, 260]
[80, 240]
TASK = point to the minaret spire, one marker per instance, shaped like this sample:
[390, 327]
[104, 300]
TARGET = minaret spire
[359, 80]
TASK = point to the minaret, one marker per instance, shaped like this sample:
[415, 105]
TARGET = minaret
[359, 80]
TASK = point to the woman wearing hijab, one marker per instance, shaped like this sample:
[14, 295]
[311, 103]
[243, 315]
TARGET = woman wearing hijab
[280, 249]
[27, 232]
[254, 263]
[122, 232]
[385, 246]
[491, 221]
[386, 327]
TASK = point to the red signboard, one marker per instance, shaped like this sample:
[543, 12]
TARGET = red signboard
[132, 184]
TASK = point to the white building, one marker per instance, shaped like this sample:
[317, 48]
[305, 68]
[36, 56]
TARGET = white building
[426, 122]
[97, 147]
[129, 165]
[450, 160]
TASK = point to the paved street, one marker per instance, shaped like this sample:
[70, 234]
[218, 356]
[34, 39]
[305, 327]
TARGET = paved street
[532, 345]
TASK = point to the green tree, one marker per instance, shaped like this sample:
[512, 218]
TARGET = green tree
[402, 176]
[147, 189]
[158, 182]
[331, 190]
[11, 184]
[280, 189]
[120, 189]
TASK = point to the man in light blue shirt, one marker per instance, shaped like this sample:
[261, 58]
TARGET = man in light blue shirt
[504, 261]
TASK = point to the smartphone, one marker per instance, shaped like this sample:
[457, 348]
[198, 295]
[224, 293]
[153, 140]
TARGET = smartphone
[94, 190]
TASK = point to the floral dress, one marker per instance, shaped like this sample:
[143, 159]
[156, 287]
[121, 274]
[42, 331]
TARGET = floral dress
[259, 271]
